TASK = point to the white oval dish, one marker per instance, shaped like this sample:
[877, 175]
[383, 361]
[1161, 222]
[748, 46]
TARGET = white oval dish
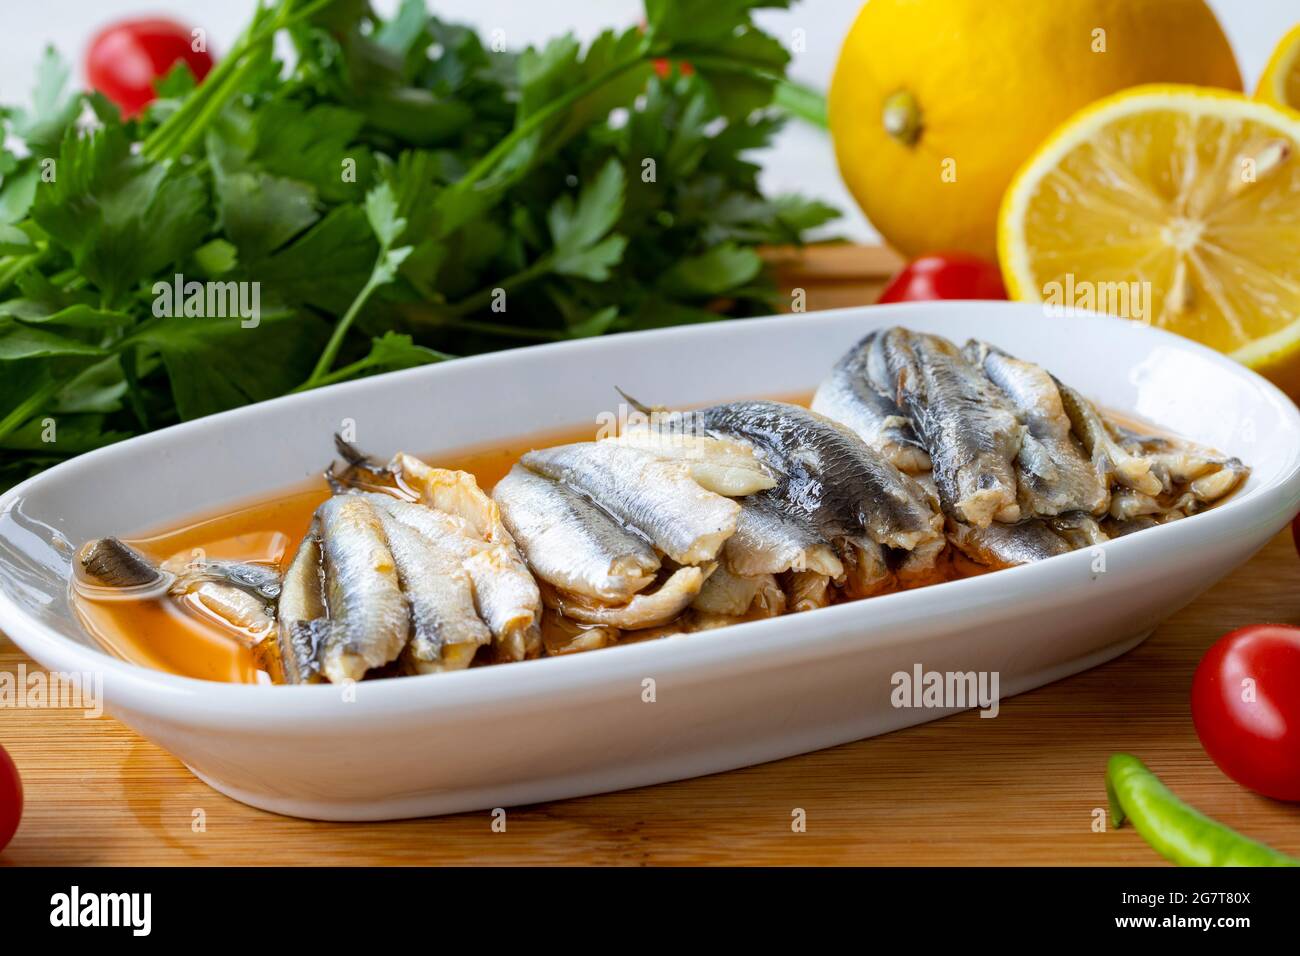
[563, 727]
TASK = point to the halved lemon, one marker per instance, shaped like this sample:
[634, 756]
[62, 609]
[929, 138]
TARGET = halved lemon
[1174, 205]
[1280, 83]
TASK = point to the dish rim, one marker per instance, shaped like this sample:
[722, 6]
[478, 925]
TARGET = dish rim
[230, 701]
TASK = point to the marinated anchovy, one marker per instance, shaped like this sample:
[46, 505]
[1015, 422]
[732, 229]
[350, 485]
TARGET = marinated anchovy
[830, 476]
[240, 595]
[370, 618]
[721, 465]
[504, 591]
[658, 498]
[1210, 488]
[114, 564]
[255, 579]
[1114, 464]
[241, 610]
[1184, 469]
[1053, 475]
[569, 542]
[851, 397]
[1127, 503]
[865, 570]
[735, 595]
[768, 540]
[1079, 530]
[562, 636]
[643, 610]
[968, 425]
[302, 621]
[1006, 545]
[446, 630]
[500, 571]
[806, 590]
[1117, 528]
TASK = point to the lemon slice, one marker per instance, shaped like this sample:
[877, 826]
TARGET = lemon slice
[1178, 206]
[1280, 83]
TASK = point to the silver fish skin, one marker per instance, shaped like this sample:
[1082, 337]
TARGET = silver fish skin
[504, 591]
[657, 498]
[769, 540]
[969, 426]
[256, 579]
[114, 564]
[446, 630]
[829, 476]
[1053, 475]
[301, 617]
[1001, 545]
[569, 542]
[369, 615]
[851, 397]
[1114, 464]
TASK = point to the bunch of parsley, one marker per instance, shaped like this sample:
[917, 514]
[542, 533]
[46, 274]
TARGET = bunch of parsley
[400, 193]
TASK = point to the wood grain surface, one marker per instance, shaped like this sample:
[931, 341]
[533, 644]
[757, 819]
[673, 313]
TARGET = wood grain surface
[1019, 789]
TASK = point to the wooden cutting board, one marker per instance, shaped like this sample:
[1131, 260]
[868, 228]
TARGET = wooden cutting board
[1020, 789]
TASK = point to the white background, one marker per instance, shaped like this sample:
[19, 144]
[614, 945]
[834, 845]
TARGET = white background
[801, 160]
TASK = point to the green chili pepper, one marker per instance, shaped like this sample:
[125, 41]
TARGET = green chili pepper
[1176, 831]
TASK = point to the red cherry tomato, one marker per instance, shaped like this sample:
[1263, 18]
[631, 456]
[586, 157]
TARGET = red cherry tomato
[126, 58]
[946, 275]
[1246, 708]
[11, 799]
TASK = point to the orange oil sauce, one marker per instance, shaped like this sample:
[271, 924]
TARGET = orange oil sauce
[174, 636]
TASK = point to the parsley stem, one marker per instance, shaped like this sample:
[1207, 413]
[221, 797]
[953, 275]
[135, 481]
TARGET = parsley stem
[29, 406]
[483, 297]
[495, 328]
[190, 121]
[335, 343]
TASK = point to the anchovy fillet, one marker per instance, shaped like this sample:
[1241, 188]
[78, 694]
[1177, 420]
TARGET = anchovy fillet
[117, 565]
[505, 593]
[643, 610]
[968, 425]
[721, 465]
[768, 540]
[658, 498]
[1002, 545]
[851, 397]
[569, 542]
[1053, 475]
[1114, 464]
[830, 476]
[446, 630]
[302, 623]
[362, 591]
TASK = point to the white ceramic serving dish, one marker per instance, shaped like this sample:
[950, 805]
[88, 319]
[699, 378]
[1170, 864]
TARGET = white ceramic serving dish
[562, 727]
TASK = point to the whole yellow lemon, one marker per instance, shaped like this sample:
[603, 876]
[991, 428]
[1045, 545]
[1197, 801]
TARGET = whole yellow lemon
[935, 103]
